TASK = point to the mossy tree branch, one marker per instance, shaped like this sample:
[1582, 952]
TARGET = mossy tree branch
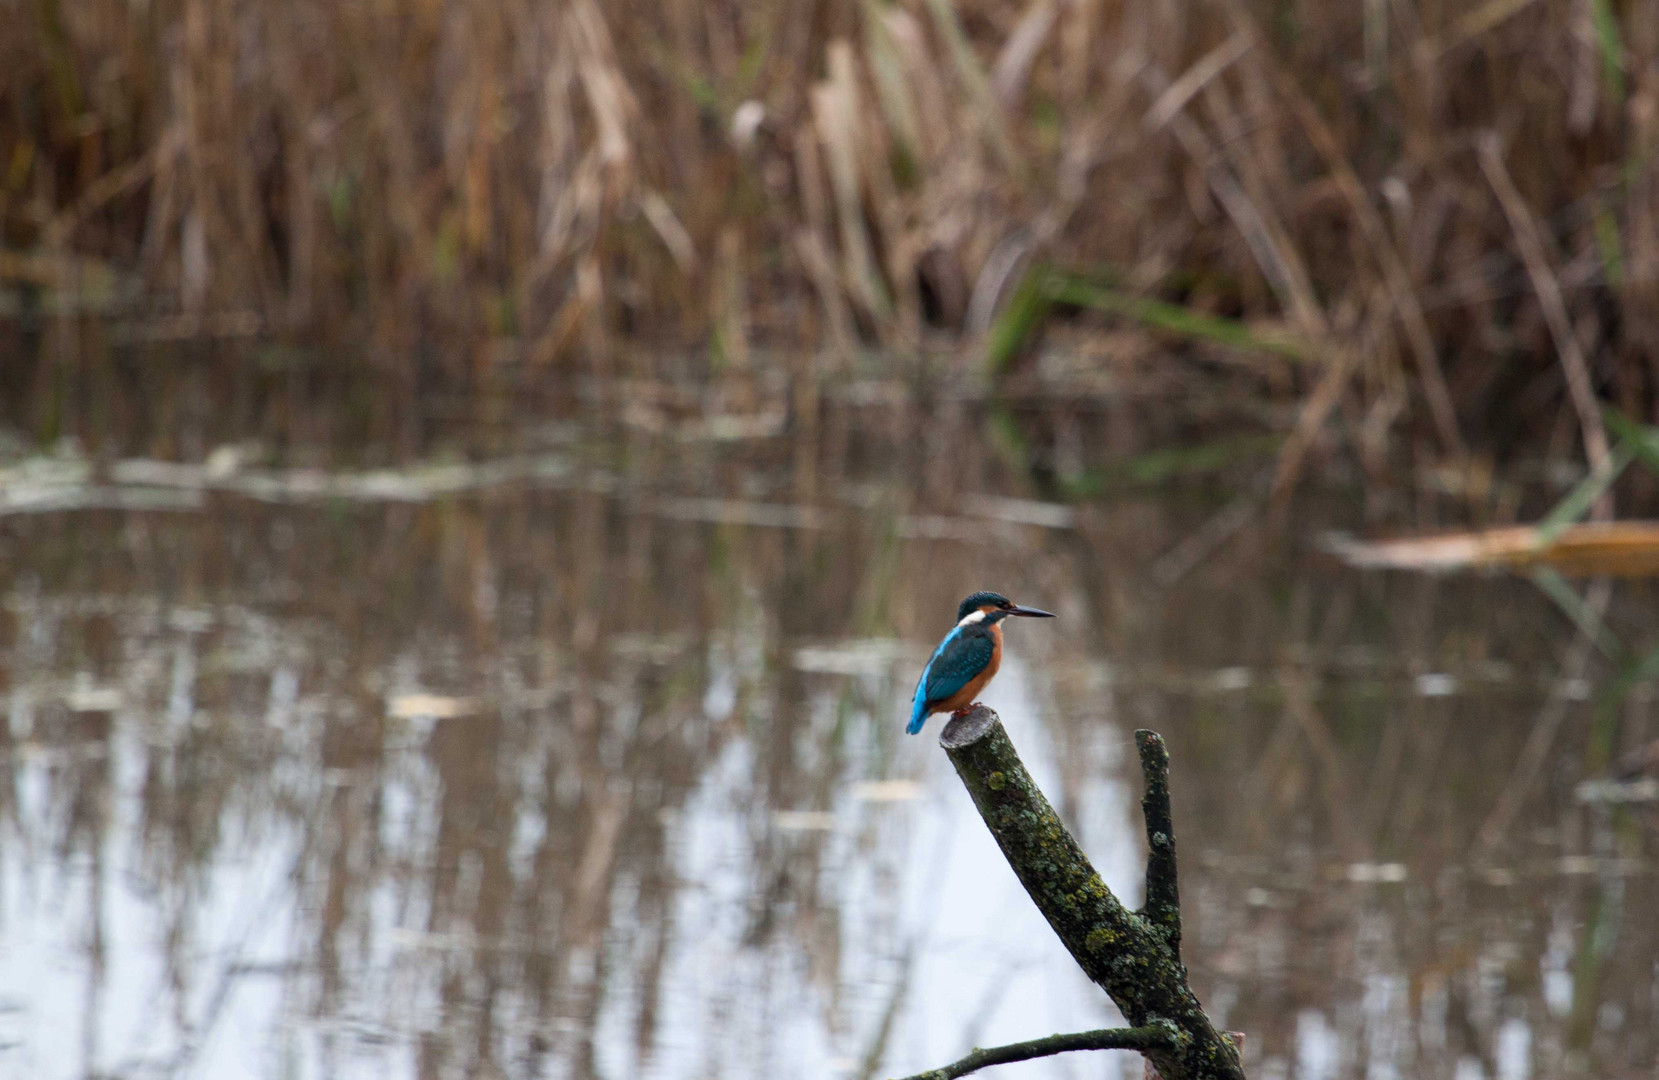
[1141, 1038]
[1133, 956]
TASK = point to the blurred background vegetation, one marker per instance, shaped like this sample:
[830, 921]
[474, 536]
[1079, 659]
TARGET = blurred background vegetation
[478, 479]
[1416, 228]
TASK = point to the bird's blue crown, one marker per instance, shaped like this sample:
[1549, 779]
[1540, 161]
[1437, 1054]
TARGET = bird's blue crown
[979, 600]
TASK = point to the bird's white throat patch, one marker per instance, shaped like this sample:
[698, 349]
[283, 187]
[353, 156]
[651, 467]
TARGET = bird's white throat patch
[972, 617]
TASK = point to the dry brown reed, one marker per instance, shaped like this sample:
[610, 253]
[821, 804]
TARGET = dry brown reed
[439, 188]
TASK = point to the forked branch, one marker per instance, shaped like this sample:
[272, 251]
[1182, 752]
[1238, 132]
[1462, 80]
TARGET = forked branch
[1133, 956]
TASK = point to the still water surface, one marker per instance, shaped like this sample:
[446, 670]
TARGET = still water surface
[606, 777]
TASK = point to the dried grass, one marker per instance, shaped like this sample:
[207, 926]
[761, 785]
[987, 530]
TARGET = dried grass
[439, 187]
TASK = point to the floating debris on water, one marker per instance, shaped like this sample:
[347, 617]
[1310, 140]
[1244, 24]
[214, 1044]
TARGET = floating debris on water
[803, 820]
[1436, 684]
[93, 699]
[1049, 515]
[51, 484]
[1618, 791]
[431, 706]
[742, 512]
[650, 648]
[884, 791]
[1614, 548]
[861, 656]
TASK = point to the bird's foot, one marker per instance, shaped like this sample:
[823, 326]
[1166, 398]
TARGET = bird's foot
[964, 710]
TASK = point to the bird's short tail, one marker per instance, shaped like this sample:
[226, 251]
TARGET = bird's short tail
[918, 716]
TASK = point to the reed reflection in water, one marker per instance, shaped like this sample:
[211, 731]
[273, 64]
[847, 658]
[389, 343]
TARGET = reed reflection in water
[531, 783]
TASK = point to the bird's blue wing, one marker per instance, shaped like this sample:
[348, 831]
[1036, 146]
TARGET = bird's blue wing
[957, 659]
[960, 658]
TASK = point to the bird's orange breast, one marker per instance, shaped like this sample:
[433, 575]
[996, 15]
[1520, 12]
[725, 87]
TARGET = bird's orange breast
[970, 690]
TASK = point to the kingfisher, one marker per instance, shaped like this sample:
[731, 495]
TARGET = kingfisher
[967, 660]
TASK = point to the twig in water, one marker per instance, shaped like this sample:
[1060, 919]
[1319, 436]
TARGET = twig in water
[1136, 1038]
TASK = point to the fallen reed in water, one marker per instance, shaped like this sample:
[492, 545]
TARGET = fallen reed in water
[1444, 219]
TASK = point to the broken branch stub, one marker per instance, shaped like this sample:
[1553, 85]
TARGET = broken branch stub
[1163, 898]
[1133, 956]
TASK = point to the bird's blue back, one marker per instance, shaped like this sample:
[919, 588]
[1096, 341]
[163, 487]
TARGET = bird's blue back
[962, 655]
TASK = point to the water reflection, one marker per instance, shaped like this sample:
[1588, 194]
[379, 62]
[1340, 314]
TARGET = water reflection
[536, 782]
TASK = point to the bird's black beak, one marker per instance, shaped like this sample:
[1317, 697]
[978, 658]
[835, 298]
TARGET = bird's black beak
[1036, 613]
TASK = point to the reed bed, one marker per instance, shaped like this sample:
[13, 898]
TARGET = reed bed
[1431, 223]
